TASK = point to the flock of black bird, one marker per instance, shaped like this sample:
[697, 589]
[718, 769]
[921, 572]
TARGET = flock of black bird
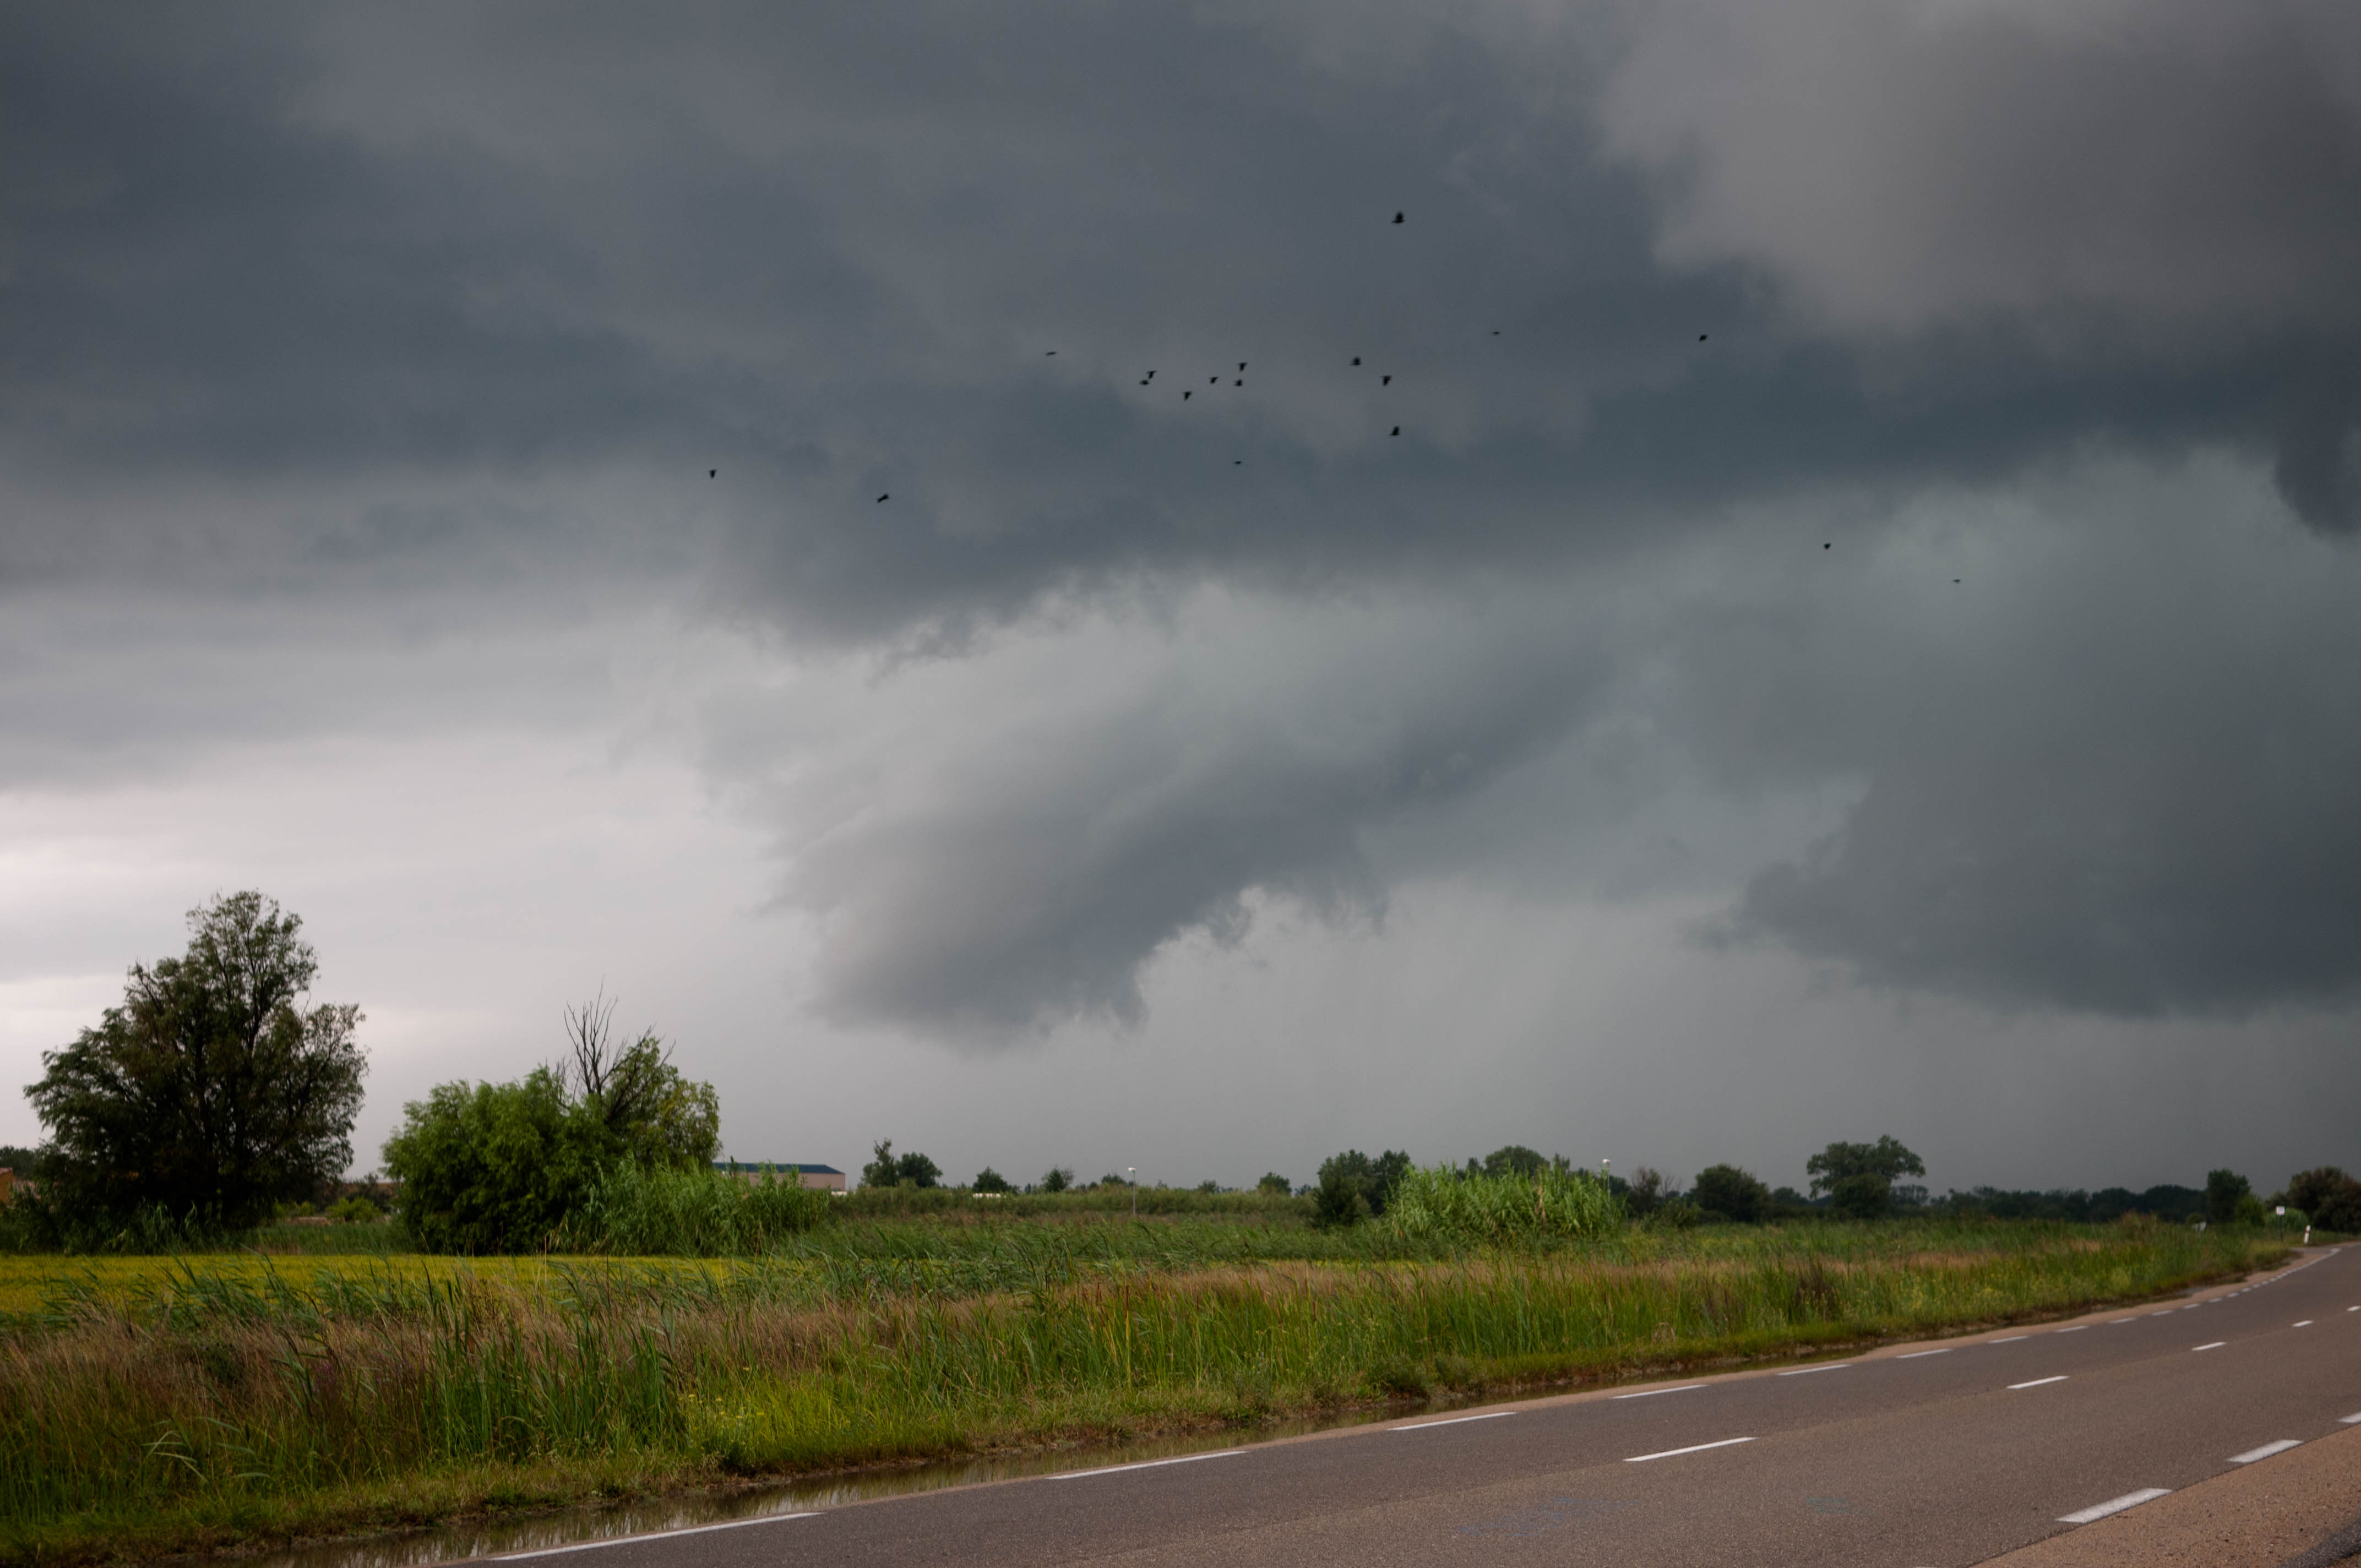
[1383, 380]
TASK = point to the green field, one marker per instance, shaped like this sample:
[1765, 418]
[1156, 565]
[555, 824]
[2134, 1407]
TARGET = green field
[156, 1405]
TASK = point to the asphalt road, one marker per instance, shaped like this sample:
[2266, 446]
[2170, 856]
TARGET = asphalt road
[1951, 1452]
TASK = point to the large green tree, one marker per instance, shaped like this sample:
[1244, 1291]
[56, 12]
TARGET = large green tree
[214, 1091]
[1859, 1178]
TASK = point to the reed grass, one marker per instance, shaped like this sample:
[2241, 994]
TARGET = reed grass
[221, 1405]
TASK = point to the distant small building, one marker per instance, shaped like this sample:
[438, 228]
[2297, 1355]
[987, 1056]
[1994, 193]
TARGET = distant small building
[822, 1178]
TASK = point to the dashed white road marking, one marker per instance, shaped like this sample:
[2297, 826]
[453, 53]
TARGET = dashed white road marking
[2036, 1383]
[2115, 1505]
[1146, 1464]
[2166, 1313]
[2348, 1420]
[1916, 1354]
[2076, 1329]
[1694, 1448]
[2215, 1346]
[2305, 1324]
[1800, 1371]
[2123, 1321]
[2265, 1451]
[1648, 1393]
[655, 1535]
[1455, 1420]
[2007, 1338]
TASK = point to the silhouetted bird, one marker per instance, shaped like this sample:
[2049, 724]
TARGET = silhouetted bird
[1237, 383]
[1385, 380]
[713, 473]
[1955, 579]
[1186, 396]
[1357, 359]
[1703, 335]
[1238, 461]
[1214, 381]
[1830, 546]
[1151, 375]
[887, 493]
[1052, 355]
[1496, 332]
[1398, 217]
[1397, 429]
[1242, 364]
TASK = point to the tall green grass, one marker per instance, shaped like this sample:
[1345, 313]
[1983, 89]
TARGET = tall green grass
[636, 1212]
[218, 1406]
[1467, 1208]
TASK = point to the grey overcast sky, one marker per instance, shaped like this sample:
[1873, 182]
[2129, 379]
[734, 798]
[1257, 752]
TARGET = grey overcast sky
[1856, 632]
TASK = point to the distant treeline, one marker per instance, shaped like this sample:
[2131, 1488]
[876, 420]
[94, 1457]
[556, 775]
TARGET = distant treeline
[2166, 1201]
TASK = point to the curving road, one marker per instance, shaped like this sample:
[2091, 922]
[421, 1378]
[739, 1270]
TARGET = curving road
[1949, 1452]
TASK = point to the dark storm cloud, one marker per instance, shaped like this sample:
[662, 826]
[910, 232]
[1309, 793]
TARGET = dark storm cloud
[2110, 771]
[343, 298]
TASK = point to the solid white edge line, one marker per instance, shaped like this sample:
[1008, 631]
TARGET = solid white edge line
[1651, 1393]
[2215, 1346]
[2038, 1382]
[1695, 1448]
[652, 1535]
[2115, 1505]
[1800, 1371]
[2265, 1451]
[1455, 1420]
[1143, 1464]
[1915, 1355]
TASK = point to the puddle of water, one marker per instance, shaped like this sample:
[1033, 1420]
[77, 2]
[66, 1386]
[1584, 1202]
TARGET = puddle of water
[570, 1527]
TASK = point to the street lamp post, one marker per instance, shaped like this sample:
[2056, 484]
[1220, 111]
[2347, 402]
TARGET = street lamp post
[1132, 1171]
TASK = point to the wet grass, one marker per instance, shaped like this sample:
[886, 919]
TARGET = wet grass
[203, 1402]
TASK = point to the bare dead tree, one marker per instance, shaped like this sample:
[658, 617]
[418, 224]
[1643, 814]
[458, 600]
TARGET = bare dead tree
[620, 1079]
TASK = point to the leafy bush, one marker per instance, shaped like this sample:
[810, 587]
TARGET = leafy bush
[1273, 1182]
[1354, 1187]
[499, 1167]
[493, 1167]
[1726, 1192]
[1452, 1206]
[355, 1211]
[888, 1169]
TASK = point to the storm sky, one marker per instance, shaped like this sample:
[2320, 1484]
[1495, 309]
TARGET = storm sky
[1856, 633]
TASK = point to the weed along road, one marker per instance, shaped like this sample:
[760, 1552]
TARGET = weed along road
[2223, 1428]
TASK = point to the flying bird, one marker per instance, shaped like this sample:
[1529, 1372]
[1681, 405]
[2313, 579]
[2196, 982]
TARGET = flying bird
[1703, 335]
[1496, 332]
[1186, 396]
[1397, 429]
[1385, 380]
[1829, 546]
[1398, 217]
[1052, 355]
[887, 493]
[1151, 375]
[1215, 381]
[713, 473]
[1357, 359]
[1238, 461]
[1234, 383]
